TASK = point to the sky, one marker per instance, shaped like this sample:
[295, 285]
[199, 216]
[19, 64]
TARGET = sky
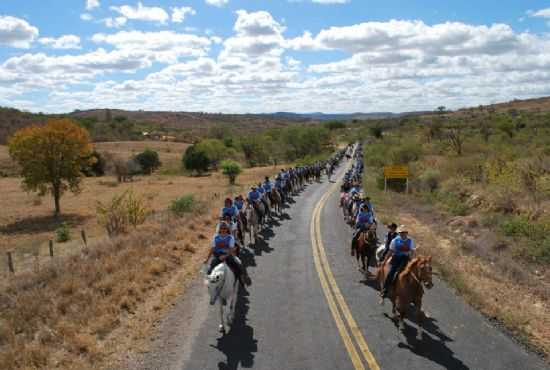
[252, 56]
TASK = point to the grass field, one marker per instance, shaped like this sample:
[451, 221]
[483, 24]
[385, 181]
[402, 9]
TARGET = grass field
[26, 222]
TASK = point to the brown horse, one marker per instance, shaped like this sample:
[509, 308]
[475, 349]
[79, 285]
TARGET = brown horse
[408, 288]
[276, 201]
[365, 249]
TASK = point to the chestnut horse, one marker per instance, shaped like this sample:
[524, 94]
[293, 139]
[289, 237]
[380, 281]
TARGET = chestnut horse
[408, 288]
[365, 249]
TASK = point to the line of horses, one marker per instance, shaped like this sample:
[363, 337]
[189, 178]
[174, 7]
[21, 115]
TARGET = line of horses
[251, 220]
[408, 285]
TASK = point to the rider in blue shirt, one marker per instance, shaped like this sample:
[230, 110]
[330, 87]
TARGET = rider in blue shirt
[223, 249]
[253, 195]
[229, 210]
[363, 221]
[239, 202]
[402, 249]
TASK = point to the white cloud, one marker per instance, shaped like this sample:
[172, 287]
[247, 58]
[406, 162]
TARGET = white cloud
[116, 22]
[543, 13]
[178, 14]
[142, 13]
[217, 2]
[163, 46]
[63, 42]
[92, 4]
[86, 16]
[16, 32]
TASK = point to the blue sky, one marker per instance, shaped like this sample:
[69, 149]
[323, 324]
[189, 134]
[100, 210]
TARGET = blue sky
[271, 55]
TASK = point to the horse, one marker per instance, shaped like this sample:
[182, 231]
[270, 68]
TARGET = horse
[253, 222]
[408, 288]
[223, 288]
[365, 249]
[276, 201]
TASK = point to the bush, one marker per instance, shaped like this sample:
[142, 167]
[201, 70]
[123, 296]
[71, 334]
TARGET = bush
[539, 251]
[123, 210]
[405, 154]
[63, 233]
[334, 125]
[148, 160]
[195, 159]
[453, 203]
[183, 205]
[231, 169]
[430, 179]
[376, 131]
[96, 166]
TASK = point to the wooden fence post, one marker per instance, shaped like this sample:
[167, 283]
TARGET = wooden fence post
[10, 263]
[51, 248]
[83, 234]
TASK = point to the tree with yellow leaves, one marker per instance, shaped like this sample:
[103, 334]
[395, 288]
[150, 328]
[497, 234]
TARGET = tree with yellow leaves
[51, 157]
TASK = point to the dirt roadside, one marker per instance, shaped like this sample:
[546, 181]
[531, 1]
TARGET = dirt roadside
[469, 258]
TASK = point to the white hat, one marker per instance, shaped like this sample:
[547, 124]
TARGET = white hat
[402, 229]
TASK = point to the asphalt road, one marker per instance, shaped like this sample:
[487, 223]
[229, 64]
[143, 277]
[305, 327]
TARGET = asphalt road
[285, 321]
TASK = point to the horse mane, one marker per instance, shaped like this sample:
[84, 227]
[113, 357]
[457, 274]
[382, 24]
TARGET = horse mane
[411, 266]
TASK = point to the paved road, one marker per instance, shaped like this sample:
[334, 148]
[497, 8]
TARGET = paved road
[285, 322]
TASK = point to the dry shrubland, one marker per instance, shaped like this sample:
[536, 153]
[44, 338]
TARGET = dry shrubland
[482, 211]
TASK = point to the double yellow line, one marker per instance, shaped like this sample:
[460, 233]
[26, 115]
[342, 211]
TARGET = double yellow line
[339, 309]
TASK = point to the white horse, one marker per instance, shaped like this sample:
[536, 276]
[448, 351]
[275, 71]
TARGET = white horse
[223, 287]
[253, 223]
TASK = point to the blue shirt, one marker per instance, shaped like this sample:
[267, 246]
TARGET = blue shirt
[223, 244]
[279, 183]
[229, 211]
[268, 186]
[254, 195]
[239, 204]
[363, 218]
[401, 247]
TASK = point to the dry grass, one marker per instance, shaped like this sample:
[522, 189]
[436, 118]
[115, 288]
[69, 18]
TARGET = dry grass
[84, 310]
[26, 225]
[502, 288]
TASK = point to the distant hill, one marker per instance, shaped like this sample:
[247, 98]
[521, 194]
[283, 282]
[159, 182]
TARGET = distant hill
[115, 124]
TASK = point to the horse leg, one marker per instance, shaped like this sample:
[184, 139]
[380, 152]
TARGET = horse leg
[419, 318]
[222, 326]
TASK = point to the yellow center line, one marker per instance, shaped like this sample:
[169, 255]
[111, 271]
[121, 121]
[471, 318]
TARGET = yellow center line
[334, 297]
[348, 343]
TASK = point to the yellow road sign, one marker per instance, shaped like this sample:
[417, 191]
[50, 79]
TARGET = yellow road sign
[396, 172]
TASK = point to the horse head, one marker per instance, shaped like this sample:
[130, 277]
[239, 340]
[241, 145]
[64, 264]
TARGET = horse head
[215, 282]
[424, 271]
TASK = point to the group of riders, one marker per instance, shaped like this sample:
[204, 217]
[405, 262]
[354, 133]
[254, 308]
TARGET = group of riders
[398, 248]
[261, 201]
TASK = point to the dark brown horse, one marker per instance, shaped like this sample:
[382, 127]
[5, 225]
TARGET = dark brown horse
[276, 201]
[408, 287]
[365, 249]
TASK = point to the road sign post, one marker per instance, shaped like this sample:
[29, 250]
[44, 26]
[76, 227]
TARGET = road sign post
[396, 172]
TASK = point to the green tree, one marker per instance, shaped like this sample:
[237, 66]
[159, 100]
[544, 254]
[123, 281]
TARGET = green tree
[231, 169]
[376, 131]
[214, 149]
[51, 157]
[195, 160]
[148, 160]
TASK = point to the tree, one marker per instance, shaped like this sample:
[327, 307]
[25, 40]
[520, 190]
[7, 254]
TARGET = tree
[456, 139]
[231, 169]
[334, 125]
[51, 157]
[376, 131]
[96, 165]
[195, 160]
[214, 150]
[441, 109]
[148, 160]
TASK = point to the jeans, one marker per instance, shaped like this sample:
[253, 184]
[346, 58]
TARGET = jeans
[397, 263]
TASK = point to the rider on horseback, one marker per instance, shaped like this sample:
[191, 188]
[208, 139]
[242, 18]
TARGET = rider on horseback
[254, 198]
[229, 210]
[363, 222]
[392, 234]
[223, 249]
[402, 249]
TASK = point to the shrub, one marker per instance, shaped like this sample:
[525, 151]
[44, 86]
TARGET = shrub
[405, 154]
[183, 205]
[539, 251]
[148, 160]
[376, 131]
[63, 233]
[195, 159]
[231, 169]
[121, 211]
[334, 125]
[430, 179]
